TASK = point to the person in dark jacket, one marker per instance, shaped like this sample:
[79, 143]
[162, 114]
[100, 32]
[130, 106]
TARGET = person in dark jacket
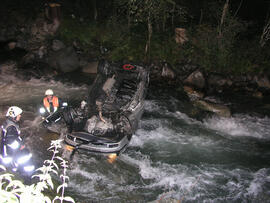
[11, 126]
[10, 130]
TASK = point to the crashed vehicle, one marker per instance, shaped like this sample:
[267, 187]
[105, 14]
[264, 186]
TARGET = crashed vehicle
[109, 118]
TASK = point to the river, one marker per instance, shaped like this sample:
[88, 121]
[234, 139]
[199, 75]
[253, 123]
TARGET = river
[172, 157]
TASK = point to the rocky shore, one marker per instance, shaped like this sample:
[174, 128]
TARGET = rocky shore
[34, 51]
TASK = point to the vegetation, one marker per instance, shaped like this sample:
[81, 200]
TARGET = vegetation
[220, 36]
[13, 190]
[137, 30]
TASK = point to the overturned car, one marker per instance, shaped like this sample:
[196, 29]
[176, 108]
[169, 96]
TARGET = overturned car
[109, 118]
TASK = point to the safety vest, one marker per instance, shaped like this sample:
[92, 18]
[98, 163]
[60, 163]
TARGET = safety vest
[7, 124]
[55, 103]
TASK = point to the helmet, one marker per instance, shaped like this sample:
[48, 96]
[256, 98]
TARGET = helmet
[48, 92]
[14, 111]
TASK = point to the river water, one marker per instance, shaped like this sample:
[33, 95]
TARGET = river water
[172, 157]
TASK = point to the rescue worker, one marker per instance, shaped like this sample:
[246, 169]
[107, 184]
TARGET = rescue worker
[10, 128]
[13, 151]
[51, 102]
[11, 125]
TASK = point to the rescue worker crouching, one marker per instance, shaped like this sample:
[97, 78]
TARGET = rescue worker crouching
[51, 102]
[50, 108]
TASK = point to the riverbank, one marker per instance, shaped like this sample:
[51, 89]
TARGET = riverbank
[39, 48]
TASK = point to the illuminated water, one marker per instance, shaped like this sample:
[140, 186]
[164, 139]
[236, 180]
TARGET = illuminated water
[171, 157]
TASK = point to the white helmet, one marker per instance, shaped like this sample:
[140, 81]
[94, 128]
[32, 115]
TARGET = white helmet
[48, 92]
[14, 111]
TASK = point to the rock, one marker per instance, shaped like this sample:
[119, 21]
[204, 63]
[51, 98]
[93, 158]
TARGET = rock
[219, 109]
[193, 94]
[195, 79]
[218, 80]
[57, 45]
[64, 60]
[262, 81]
[258, 95]
[184, 70]
[180, 36]
[12, 45]
[167, 71]
[90, 67]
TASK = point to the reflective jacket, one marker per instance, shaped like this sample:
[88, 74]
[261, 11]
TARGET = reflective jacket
[47, 104]
[10, 129]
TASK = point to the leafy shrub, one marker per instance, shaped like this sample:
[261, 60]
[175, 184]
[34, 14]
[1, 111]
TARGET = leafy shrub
[13, 190]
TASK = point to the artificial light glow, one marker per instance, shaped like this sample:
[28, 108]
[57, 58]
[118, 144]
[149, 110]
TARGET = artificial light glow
[42, 110]
[14, 145]
[24, 159]
[65, 104]
[6, 160]
[112, 158]
[29, 168]
[69, 148]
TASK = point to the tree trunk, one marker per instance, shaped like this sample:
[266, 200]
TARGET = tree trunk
[173, 16]
[148, 43]
[266, 34]
[94, 3]
[201, 17]
[224, 12]
[128, 16]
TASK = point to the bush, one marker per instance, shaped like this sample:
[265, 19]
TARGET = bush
[13, 190]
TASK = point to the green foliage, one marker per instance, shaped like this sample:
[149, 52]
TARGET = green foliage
[124, 34]
[71, 30]
[13, 190]
[215, 51]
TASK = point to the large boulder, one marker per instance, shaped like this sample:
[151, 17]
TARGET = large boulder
[193, 94]
[167, 71]
[262, 81]
[195, 79]
[219, 109]
[64, 60]
[57, 45]
[218, 82]
[90, 67]
[180, 35]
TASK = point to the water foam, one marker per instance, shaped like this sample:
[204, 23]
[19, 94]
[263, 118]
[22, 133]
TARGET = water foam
[240, 125]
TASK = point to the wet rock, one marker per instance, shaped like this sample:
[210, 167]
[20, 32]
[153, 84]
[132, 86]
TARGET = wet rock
[262, 81]
[215, 80]
[57, 45]
[258, 95]
[12, 45]
[8, 68]
[193, 94]
[90, 67]
[64, 60]
[35, 70]
[167, 71]
[218, 109]
[196, 79]
[184, 70]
